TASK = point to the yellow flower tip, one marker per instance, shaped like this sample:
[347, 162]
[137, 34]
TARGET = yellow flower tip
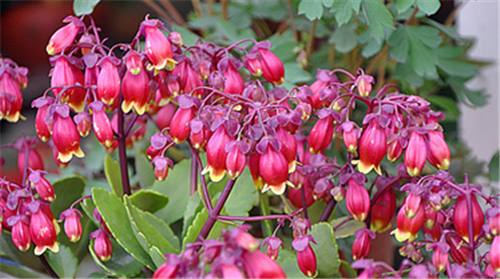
[138, 109]
[278, 189]
[413, 172]
[233, 175]
[445, 166]
[126, 107]
[291, 167]
[65, 157]
[362, 167]
[169, 64]
[280, 81]
[216, 175]
[79, 153]
[135, 71]
[401, 236]
[312, 151]
[50, 48]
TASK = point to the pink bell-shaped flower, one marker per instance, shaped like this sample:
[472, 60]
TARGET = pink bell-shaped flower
[371, 147]
[407, 228]
[21, 236]
[158, 47]
[64, 36]
[258, 265]
[321, 134]
[273, 168]
[11, 98]
[135, 85]
[179, 126]
[102, 245]
[357, 200]
[461, 217]
[416, 154]
[66, 138]
[216, 154]
[383, 211]
[108, 82]
[43, 233]
[272, 67]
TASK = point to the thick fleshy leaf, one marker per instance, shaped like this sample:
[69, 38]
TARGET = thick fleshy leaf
[195, 228]
[113, 175]
[349, 271]
[115, 215]
[67, 191]
[26, 259]
[149, 200]
[157, 256]
[176, 187]
[144, 170]
[348, 228]
[326, 250]
[121, 263]
[242, 197]
[63, 263]
[446, 103]
[84, 7]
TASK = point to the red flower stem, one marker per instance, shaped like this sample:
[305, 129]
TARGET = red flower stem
[196, 157]
[26, 157]
[122, 152]
[194, 176]
[328, 211]
[214, 214]
[130, 125]
[304, 203]
[253, 218]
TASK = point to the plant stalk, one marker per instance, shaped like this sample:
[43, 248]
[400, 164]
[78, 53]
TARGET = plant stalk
[122, 151]
[47, 267]
[264, 210]
[328, 211]
[310, 43]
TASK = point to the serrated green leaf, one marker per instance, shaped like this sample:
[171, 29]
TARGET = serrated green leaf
[348, 228]
[157, 256]
[343, 10]
[239, 17]
[312, 9]
[288, 261]
[344, 38]
[9, 269]
[194, 206]
[121, 264]
[176, 187]
[400, 44]
[445, 103]
[67, 191]
[326, 250]
[163, 228]
[274, 10]
[405, 73]
[449, 31]
[113, 175]
[404, 5]
[429, 7]
[467, 96]
[115, 215]
[144, 170]
[242, 197]
[377, 16]
[194, 230]
[494, 167]
[228, 30]
[149, 200]
[98, 275]
[84, 7]
[63, 263]
[446, 62]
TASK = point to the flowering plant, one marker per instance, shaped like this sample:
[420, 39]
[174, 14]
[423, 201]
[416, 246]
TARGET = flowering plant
[217, 167]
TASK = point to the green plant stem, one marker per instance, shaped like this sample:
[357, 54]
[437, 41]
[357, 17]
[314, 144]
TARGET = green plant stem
[122, 151]
[264, 211]
[47, 267]
[310, 43]
[213, 215]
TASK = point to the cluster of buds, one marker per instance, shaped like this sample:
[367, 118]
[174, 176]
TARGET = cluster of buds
[234, 254]
[13, 78]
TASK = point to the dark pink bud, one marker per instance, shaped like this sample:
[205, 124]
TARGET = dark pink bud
[407, 228]
[273, 168]
[216, 153]
[162, 164]
[63, 37]
[86, 41]
[365, 85]
[459, 249]
[273, 246]
[43, 233]
[11, 98]
[102, 125]
[42, 186]
[440, 259]
[66, 138]
[235, 162]
[435, 231]
[234, 82]
[259, 265]
[321, 134]
[430, 218]
[246, 240]
[461, 217]
[412, 204]
[193, 81]
[35, 161]
[416, 154]
[21, 236]
[102, 246]
[253, 165]
[254, 67]
[383, 211]
[67, 74]
[83, 124]
[22, 77]
[166, 270]
[350, 137]
[176, 38]
[231, 271]
[179, 126]
[372, 148]
[361, 245]
[272, 67]
[494, 223]
[73, 226]
[439, 152]
[394, 150]
[158, 48]
[306, 260]
[164, 116]
[357, 200]
[495, 254]
[108, 83]
[316, 87]
[43, 130]
[288, 147]
[135, 85]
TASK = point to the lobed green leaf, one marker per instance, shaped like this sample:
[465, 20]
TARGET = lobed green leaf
[64, 263]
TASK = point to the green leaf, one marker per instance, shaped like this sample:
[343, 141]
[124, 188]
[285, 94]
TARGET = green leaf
[115, 215]
[449, 31]
[377, 16]
[404, 72]
[26, 259]
[163, 228]
[404, 5]
[328, 3]
[121, 264]
[18, 271]
[348, 228]
[273, 10]
[344, 38]
[144, 169]
[242, 197]
[295, 74]
[203, 22]
[228, 29]
[312, 9]
[326, 250]
[371, 46]
[195, 228]
[157, 256]
[474, 98]
[189, 38]
[176, 188]
[149, 200]
[349, 271]
[400, 44]
[343, 10]
[113, 175]
[288, 261]
[84, 7]
[63, 263]
[194, 206]
[67, 191]
[429, 7]
[144, 230]
[494, 167]
[452, 67]
[446, 103]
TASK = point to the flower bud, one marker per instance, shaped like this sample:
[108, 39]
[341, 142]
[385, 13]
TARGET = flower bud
[231, 271]
[494, 223]
[253, 66]
[350, 137]
[43, 187]
[67, 74]
[461, 217]
[365, 85]
[273, 168]
[295, 195]
[361, 245]
[317, 86]
[246, 241]
[135, 85]
[176, 38]
[495, 254]
[162, 165]
[407, 228]
[158, 48]
[416, 154]
[321, 134]
[216, 154]
[22, 77]
[101, 124]
[102, 246]
[166, 270]
[43, 130]
[234, 82]
[164, 116]
[430, 218]
[253, 165]
[383, 211]
[394, 150]
[91, 75]
[235, 162]
[306, 259]
[200, 140]
[259, 265]
[83, 124]
[440, 259]
[272, 67]
[11, 98]
[66, 138]
[412, 204]
[21, 236]
[371, 147]
[35, 161]
[179, 126]
[273, 246]
[436, 231]
[73, 226]
[459, 249]
[338, 193]
[108, 83]
[288, 147]
[439, 152]
[63, 37]
[43, 233]
[86, 42]
[357, 200]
